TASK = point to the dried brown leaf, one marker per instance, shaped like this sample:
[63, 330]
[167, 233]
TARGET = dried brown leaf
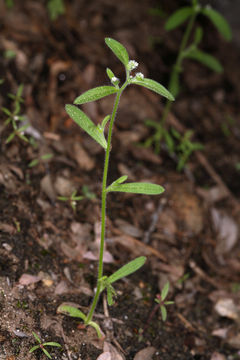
[145, 354]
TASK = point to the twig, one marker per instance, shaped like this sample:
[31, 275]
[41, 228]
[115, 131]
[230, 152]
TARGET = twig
[155, 216]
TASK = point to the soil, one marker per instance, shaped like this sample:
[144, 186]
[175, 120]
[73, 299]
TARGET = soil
[190, 234]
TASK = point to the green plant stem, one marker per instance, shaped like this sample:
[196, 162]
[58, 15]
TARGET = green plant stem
[177, 65]
[103, 206]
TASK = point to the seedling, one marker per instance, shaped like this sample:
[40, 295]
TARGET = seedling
[72, 199]
[161, 303]
[13, 117]
[119, 185]
[42, 345]
[185, 147]
[189, 51]
[87, 193]
[42, 158]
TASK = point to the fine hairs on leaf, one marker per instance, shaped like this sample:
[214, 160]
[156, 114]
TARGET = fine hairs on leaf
[98, 133]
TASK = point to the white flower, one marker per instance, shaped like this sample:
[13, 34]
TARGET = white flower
[132, 65]
[114, 79]
[139, 76]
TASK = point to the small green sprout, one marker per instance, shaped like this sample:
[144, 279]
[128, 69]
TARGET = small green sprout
[13, 116]
[55, 8]
[189, 49]
[42, 158]
[160, 299]
[185, 147]
[97, 132]
[72, 199]
[42, 345]
[87, 193]
[9, 54]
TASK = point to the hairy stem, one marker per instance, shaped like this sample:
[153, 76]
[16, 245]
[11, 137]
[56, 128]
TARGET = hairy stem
[103, 206]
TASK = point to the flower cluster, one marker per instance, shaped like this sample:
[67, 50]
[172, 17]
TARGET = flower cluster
[132, 65]
[139, 76]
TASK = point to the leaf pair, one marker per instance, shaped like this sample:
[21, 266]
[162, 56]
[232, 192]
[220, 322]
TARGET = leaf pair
[181, 15]
[76, 313]
[160, 299]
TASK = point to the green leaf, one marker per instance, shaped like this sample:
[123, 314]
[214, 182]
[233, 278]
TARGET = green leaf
[96, 327]
[219, 21]
[118, 49]
[46, 353]
[52, 343]
[46, 156]
[34, 348]
[36, 337]
[208, 60]
[168, 302]
[95, 94]
[110, 293]
[10, 137]
[33, 163]
[137, 188]
[163, 312]
[154, 86]
[174, 86]
[165, 291]
[127, 269]
[120, 180]
[110, 74]
[86, 124]
[178, 17]
[6, 111]
[71, 311]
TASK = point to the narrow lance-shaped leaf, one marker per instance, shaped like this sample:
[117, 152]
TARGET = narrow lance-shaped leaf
[178, 17]
[219, 21]
[118, 49]
[154, 86]
[71, 311]
[34, 348]
[95, 94]
[52, 343]
[163, 312]
[206, 59]
[86, 124]
[46, 353]
[127, 269]
[137, 188]
[36, 337]
[165, 291]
